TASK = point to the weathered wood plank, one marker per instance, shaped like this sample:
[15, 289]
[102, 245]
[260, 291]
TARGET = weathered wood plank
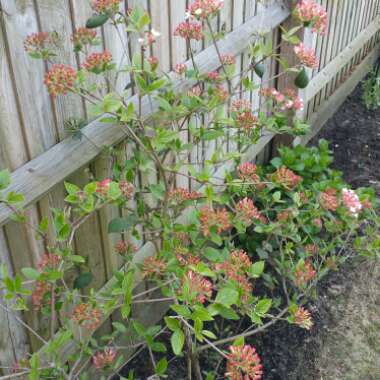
[40, 175]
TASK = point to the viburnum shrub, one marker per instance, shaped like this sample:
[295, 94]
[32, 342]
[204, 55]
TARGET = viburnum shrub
[247, 245]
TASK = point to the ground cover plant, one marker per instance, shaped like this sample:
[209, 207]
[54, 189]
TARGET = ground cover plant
[252, 244]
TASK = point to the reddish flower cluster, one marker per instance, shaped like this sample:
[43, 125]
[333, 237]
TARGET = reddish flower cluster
[126, 189]
[329, 200]
[106, 6]
[125, 247]
[247, 212]
[102, 187]
[195, 91]
[211, 219]
[189, 30]
[185, 258]
[49, 261]
[287, 178]
[352, 202]
[60, 79]
[244, 363]
[312, 14]
[238, 263]
[87, 316]
[286, 101]
[83, 36]
[284, 216]
[181, 194]
[311, 249]
[153, 267]
[228, 59]
[98, 62]
[304, 273]
[199, 286]
[39, 42]
[41, 288]
[105, 358]
[221, 93]
[303, 319]
[214, 76]
[180, 68]
[201, 9]
[153, 61]
[306, 56]
[241, 105]
[246, 120]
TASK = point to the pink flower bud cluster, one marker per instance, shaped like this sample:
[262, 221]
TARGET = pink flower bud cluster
[214, 219]
[287, 178]
[97, 62]
[60, 79]
[87, 316]
[125, 247]
[189, 30]
[328, 200]
[228, 59]
[312, 15]
[247, 212]
[238, 263]
[109, 7]
[180, 195]
[199, 286]
[180, 68]
[303, 318]
[48, 261]
[153, 267]
[284, 101]
[102, 187]
[105, 358]
[38, 42]
[83, 36]
[244, 363]
[304, 273]
[351, 201]
[306, 56]
[201, 9]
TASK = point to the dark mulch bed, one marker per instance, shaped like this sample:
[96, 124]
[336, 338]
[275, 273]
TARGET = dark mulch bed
[290, 353]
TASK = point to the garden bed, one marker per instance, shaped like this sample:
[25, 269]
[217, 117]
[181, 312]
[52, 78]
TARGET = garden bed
[343, 344]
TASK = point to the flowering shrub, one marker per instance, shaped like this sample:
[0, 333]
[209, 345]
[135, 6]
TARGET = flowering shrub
[253, 247]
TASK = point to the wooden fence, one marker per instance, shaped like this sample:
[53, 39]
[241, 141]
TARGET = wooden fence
[36, 147]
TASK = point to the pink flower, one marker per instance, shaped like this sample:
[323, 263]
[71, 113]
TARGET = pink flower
[41, 290]
[82, 37]
[102, 187]
[153, 267]
[213, 76]
[153, 61]
[247, 212]
[40, 43]
[125, 247]
[98, 62]
[328, 200]
[306, 56]
[313, 15]
[104, 359]
[228, 59]
[352, 202]
[60, 79]
[126, 189]
[49, 261]
[244, 363]
[304, 273]
[106, 6]
[202, 9]
[237, 264]
[189, 30]
[303, 319]
[87, 316]
[221, 93]
[180, 195]
[287, 178]
[241, 105]
[199, 287]
[218, 220]
[180, 68]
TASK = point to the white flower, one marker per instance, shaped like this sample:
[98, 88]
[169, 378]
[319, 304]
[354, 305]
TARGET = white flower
[155, 33]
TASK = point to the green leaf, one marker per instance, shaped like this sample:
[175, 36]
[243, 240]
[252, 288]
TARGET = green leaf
[214, 255]
[122, 224]
[177, 341]
[71, 189]
[257, 269]
[83, 280]
[227, 297]
[263, 306]
[5, 179]
[302, 79]
[161, 367]
[96, 21]
[238, 341]
[30, 273]
[172, 323]
[181, 310]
